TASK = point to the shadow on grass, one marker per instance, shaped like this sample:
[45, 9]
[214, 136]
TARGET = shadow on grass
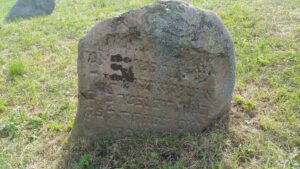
[185, 150]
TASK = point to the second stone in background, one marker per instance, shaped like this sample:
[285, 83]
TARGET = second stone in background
[30, 8]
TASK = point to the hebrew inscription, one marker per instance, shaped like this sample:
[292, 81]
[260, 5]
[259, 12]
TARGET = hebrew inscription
[126, 73]
[168, 67]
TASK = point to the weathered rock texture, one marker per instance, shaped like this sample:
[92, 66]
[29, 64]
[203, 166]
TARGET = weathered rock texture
[30, 8]
[168, 67]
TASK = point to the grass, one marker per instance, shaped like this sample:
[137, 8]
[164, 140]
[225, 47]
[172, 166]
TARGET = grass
[2, 105]
[37, 109]
[16, 68]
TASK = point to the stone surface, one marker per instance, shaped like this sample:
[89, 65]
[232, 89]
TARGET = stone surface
[30, 8]
[167, 67]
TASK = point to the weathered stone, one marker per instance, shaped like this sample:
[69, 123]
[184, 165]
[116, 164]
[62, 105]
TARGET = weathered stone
[167, 67]
[30, 8]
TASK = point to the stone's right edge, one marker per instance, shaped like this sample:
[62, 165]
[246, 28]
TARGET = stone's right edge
[165, 68]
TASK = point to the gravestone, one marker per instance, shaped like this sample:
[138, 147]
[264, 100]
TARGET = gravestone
[30, 8]
[168, 67]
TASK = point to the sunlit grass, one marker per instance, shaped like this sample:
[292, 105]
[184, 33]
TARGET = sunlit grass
[38, 92]
[16, 68]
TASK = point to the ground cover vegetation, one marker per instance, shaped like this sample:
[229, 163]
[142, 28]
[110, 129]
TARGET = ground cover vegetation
[38, 92]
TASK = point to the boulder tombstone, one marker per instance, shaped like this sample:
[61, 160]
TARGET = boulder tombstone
[167, 67]
[30, 8]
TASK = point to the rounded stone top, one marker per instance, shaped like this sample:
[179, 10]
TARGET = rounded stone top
[166, 67]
